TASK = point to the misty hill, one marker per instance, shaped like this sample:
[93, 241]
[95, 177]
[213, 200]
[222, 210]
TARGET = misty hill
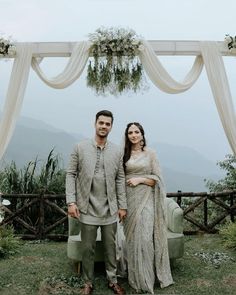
[183, 168]
[29, 143]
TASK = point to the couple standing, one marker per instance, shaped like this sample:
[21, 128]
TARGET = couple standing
[104, 184]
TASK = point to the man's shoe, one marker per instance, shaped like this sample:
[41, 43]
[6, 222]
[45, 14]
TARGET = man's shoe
[117, 289]
[86, 290]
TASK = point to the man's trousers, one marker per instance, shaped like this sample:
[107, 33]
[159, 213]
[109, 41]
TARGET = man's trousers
[88, 238]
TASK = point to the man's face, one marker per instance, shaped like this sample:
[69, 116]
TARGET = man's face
[103, 126]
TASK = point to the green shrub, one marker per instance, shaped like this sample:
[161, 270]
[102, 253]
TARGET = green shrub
[228, 233]
[9, 243]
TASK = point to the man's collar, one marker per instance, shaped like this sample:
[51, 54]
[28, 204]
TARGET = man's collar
[97, 145]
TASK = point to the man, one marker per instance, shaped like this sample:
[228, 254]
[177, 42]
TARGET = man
[95, 193]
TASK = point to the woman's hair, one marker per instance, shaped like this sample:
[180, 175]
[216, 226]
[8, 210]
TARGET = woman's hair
[128, 144]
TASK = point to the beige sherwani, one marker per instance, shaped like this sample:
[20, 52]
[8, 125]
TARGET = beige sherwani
[79, 179]
[80, 174]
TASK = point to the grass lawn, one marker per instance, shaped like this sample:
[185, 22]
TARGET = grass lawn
[43, 268]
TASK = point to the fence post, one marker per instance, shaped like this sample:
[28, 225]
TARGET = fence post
[205, 212]
[41, 216]
[179, 199]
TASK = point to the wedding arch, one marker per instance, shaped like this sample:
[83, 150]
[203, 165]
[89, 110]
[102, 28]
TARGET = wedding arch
[208, 53]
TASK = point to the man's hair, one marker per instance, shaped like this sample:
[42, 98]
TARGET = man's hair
[105, 113]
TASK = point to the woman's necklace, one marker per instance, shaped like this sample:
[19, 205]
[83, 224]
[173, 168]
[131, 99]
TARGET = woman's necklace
[136, 152]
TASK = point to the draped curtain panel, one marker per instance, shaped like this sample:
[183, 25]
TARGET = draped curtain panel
[72, 71]
[161, 78]
[15, 93]
[220, 88]
[210, 56]
[217, 77]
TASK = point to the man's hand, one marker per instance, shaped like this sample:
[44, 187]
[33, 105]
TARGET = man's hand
[73, 210]
[122, 214]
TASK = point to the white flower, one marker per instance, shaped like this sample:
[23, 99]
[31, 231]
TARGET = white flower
[12, 50]
[228, 39]
[5, 45]
[231, 42]
[141, 47]
[135, 42]
[6, 202]
[114, 51]
[1, 218]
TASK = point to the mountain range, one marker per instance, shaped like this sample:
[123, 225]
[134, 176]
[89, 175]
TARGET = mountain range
[183, 168]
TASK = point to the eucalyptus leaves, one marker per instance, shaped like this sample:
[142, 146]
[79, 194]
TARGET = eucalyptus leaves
[231, 42]
[114, 66]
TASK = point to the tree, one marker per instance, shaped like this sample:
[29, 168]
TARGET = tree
[229, 182]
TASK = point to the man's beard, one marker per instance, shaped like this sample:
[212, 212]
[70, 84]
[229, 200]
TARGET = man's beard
[103, 136]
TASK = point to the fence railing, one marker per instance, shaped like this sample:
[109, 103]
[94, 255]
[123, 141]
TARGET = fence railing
[44, 216]
[37, 216]
[206, 211]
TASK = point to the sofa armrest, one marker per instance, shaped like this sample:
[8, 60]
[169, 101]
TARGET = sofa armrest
[174, 216]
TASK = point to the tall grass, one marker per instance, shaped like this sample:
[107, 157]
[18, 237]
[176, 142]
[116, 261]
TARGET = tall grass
[34, 178]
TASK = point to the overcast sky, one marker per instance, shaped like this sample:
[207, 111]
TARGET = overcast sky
[188, 119]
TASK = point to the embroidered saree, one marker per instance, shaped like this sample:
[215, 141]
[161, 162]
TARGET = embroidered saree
[145, 226]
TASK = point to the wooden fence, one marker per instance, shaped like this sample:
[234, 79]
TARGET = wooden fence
[44, 216]
[37, 216]
[206, 211]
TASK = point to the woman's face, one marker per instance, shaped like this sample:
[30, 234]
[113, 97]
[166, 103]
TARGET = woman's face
[134, 134]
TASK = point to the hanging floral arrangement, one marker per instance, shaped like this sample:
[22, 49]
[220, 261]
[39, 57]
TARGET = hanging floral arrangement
[114, 66]
[231, 42]
[6, 47]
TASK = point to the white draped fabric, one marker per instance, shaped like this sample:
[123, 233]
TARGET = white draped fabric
[216, 74]
[73, 69]
[159, 76]
[15, 94]
[220, 88]
[19, 78]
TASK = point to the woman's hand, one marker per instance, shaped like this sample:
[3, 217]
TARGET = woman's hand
[134, 181]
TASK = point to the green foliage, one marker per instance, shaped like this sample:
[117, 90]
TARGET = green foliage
[228, 233]
[9, 244]
[42, 268]
[114, 66]
[49, 178]
[229, 182]
[231, 42]
[6, 47]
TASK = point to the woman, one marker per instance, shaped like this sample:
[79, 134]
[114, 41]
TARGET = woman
[145, 225]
